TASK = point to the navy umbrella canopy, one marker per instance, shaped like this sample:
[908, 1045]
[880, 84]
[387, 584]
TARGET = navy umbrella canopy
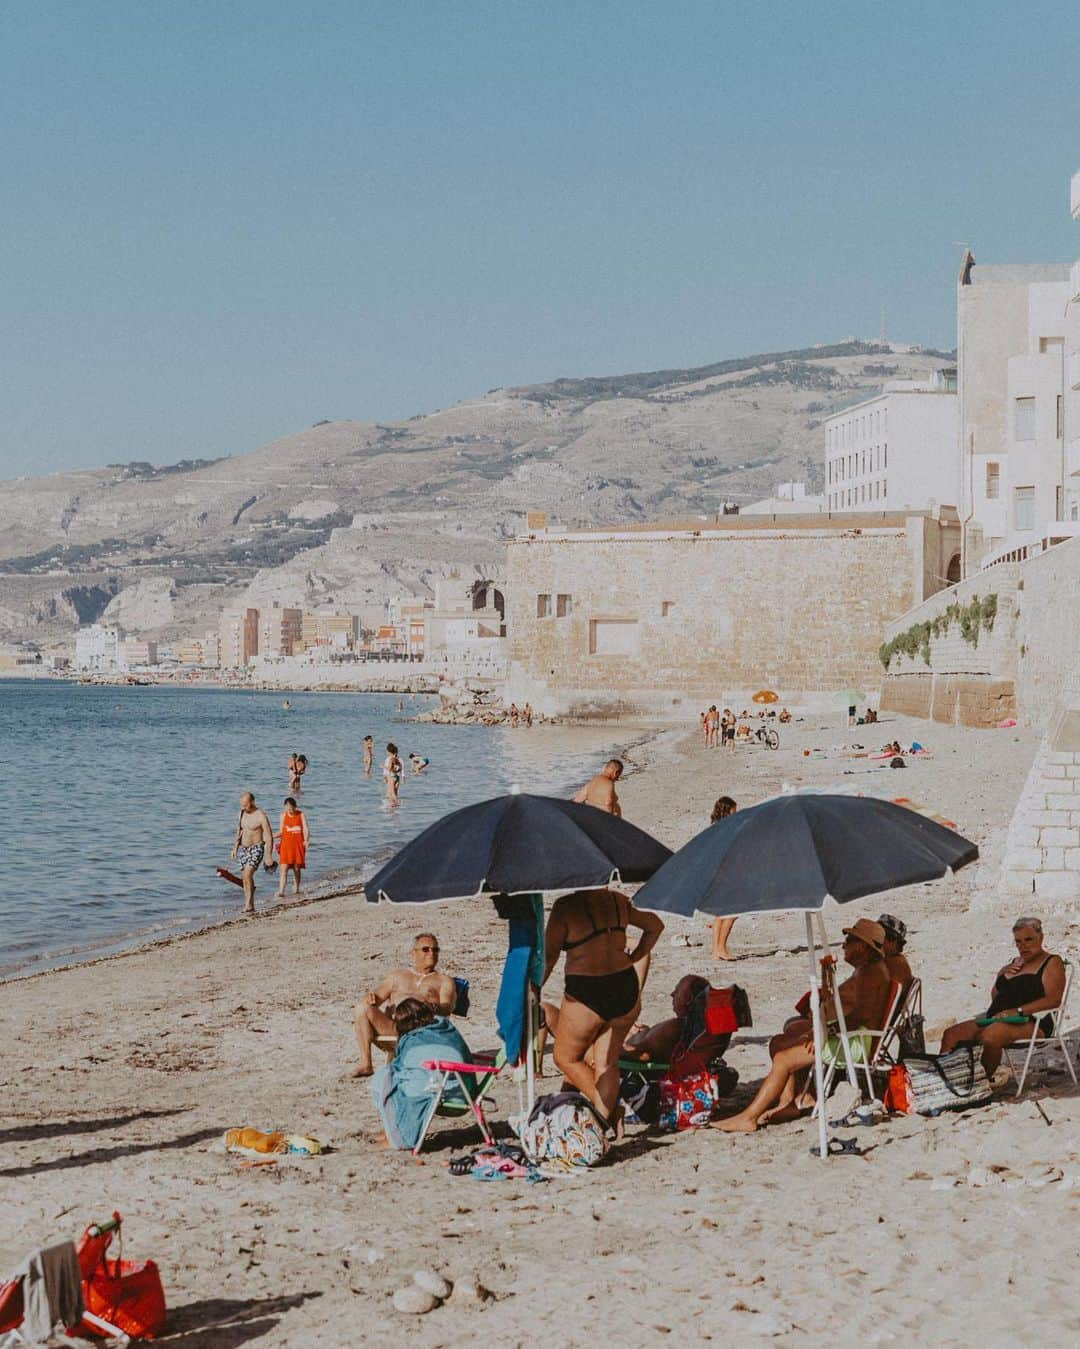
[515, 844]
[792, 852]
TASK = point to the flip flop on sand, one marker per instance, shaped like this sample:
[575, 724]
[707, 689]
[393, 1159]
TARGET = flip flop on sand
[839, 1147]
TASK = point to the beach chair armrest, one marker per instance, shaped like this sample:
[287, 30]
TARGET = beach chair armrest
[450, 1066]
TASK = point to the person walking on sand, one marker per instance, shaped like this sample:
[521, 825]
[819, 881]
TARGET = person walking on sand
[369, 754]
[712, 740]
[515, 715]
[254, 843]
[721, 927]
[600, 790]
[527, 713]
[293, 843]
[392, 769]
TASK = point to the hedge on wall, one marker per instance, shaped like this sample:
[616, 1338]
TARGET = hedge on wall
[913, 641]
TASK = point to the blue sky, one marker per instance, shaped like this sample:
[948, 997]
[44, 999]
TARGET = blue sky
[224, 221]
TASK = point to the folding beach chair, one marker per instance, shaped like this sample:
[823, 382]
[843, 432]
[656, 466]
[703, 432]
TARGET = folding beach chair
[872, 1040]
[906, 1029]
[13, 1306]
[472, 1082]
[1056, 1035]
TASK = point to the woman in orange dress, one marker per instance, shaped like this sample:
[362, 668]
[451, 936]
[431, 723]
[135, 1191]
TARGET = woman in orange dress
[292, 845]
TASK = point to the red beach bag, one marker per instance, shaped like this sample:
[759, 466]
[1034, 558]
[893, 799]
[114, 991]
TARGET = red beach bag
[897, 1098]
[128, 1293]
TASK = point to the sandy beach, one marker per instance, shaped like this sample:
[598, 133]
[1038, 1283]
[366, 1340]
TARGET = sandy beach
[119, 1078]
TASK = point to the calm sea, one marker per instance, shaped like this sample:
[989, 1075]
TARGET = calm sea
[120, 802]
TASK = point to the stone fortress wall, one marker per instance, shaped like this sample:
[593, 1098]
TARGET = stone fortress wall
[658, 622]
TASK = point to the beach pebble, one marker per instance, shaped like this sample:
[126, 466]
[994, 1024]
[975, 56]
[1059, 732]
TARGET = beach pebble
[943, 1182]
[432, 1283]
[979, 1177]
[469, 1290]
[414, 1301]
[373, 1255]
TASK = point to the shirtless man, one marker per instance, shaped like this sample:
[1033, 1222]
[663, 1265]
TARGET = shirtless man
[254, 842]
[369, 751]
[371, 1016]
[600, 790]
[864, 997]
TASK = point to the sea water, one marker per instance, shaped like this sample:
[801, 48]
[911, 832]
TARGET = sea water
[118, 803]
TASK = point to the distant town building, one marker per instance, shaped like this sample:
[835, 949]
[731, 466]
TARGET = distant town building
[329, 628]
[280, 630]
[239, 633]
[202, 651]
[137, 653]
[895, 451]
[97, 648]
[791, 498]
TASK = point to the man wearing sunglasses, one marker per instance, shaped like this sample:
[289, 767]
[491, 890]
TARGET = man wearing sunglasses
[371, 1016]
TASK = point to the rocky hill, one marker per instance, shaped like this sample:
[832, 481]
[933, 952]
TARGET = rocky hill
[352, 512]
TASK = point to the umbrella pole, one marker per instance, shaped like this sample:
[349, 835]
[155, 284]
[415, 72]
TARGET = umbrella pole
[819, 1039]
[531, 1031]
[840, 1016]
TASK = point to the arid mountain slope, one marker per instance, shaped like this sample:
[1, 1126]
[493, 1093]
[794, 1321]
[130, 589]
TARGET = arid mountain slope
[352, 512]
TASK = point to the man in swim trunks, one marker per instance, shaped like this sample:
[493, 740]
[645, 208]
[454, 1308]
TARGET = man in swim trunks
[372, 1015]
[600, 790]
[254, 842]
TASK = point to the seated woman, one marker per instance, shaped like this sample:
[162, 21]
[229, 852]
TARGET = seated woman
[657, 1043]
[1032, 983]
[895, 960]
[602, 988]
[864, 998]
[785, 716]
[401, 1088]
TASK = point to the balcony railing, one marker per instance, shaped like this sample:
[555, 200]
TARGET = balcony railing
[1074, 195]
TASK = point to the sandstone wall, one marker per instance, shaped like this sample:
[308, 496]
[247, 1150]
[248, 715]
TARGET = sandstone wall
[702, 618]
[973, 685]
[1049, 631]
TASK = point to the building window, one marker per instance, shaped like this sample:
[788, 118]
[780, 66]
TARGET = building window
[564, 606]
[1024, 507]
[613, 637]
[993, 481]
[543, 606]
[885, 447]
[1024, 419]
[1060, 431]
[1047, 344]
[666, 606]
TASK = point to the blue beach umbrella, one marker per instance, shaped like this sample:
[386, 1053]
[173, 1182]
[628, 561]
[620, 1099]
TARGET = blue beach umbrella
[517, 844]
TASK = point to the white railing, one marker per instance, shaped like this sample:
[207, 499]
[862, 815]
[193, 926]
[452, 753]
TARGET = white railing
[1074, 195]
[1019, 547]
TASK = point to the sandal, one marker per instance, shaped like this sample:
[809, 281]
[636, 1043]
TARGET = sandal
[839, 1147]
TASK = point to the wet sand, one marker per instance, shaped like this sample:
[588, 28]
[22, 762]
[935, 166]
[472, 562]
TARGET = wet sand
[118, 1078]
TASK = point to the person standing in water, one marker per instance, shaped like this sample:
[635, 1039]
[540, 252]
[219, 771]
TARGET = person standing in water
[600, 790]
[392, 773]
[369, 751]
[293, 841]
[254, 843]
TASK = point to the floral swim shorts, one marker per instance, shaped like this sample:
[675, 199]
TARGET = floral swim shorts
[251, 857]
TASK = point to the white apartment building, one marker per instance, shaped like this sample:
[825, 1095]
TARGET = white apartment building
[1072, 366]
[1018, 348]
[280, 629]
[97, 648]
[895, 451]
[239, 637]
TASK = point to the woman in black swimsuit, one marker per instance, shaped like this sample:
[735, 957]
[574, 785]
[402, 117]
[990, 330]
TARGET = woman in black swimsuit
[1032, 983]
[603, 993]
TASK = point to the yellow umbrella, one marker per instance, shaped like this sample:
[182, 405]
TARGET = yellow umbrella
[765, 696]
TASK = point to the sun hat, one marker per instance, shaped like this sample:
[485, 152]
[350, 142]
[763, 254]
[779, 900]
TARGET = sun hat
[865, 929]
[894, 926]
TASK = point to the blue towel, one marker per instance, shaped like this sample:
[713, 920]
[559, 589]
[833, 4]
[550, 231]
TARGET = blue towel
[401, 1089]
[524, 965]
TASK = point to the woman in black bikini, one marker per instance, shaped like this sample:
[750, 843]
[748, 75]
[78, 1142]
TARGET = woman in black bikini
[603, 993]
[1032, 983]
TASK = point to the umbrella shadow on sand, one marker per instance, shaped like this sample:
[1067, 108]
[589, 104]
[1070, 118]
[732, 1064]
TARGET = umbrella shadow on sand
[225, 1323]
